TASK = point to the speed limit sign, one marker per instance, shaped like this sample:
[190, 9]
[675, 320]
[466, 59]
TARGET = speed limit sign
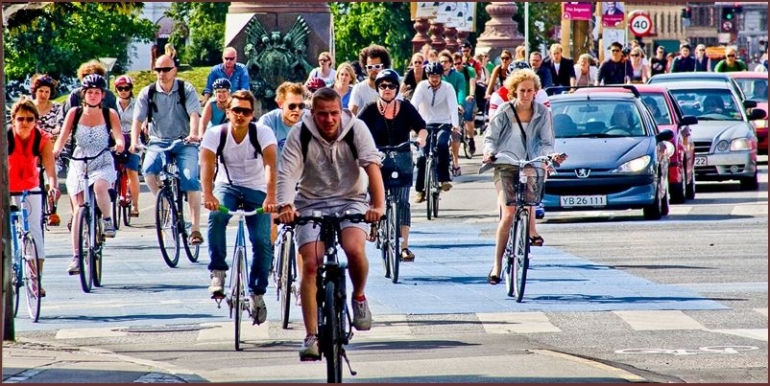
[640, 25]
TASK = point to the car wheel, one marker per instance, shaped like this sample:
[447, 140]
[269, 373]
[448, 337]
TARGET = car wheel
[690, 194]
[655, 210]
[750, 183]
[679, 190]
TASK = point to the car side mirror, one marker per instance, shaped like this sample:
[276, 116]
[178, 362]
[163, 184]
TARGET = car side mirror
[665, 135]
[749, 104]
[688, 120]
[757, 114]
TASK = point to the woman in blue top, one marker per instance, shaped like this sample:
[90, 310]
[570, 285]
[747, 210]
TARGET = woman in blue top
[214, 112]
[344, 81]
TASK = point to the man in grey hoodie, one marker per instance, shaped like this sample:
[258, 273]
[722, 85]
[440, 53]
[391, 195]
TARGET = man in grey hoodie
[331, 179]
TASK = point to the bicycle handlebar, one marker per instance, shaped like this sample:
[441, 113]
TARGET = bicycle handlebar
[240, 212]
[86, 159]
[385, 149]
[547, 158]
[319, 217]
[170, 146]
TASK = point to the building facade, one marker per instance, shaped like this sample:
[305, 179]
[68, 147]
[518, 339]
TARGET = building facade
[140, 52]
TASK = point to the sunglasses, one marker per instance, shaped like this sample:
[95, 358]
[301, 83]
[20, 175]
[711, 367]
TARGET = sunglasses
[123, 88]
[730, 56]
[163, 69]
[323, 60]
[23, 119]
[417, 63]
[375, 66]
[229, 59]
[458, 63]
[295, 106]
[243, 111]
[634, 55]
[615, 50]
[445, 61]
[388, 86]
[505, 58]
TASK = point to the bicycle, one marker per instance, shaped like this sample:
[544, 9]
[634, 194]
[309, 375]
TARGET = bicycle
[334, 322]
[26, 263]
[91, 243]
[170, 209]
[432, 186]
[237, 300]
[522, 190]
[122, 204]
[285, 271]
[389, 229]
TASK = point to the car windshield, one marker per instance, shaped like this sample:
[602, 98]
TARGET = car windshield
[708, 104]
[656, 103]
[596, 119]
[755, 89]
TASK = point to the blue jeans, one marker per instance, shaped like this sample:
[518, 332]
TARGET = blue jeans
[442, 157]
[259, 234]
[186, 162]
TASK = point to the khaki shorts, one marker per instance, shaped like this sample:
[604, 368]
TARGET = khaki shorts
[309, 233]
[506, 175]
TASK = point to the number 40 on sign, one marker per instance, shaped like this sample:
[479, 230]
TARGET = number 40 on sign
[640, 25]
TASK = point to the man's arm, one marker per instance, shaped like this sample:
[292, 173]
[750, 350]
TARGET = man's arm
[377, 191]
[208, 162]
[209, 89]
[269, 155]
[194, 110]
[452, 104]
[353, 102]
[244, 79]
[49, 164]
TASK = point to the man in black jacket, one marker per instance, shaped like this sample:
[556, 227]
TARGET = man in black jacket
[614, 70]
[536, 61]
[684, 62]
[562, 69]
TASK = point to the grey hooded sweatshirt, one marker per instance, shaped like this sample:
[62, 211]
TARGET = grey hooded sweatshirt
[330, 172]
[504, 133]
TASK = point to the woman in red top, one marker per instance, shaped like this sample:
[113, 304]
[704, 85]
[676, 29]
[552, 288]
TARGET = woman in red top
[23, 173]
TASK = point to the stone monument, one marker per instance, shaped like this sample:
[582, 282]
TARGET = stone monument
[278, 42]
[500, 32]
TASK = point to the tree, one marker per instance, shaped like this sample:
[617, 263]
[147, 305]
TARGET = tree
[59, 37]
[206, 25]
[547, 13]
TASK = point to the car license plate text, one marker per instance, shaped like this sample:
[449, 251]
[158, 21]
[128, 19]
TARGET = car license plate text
[570, 201]
[701, 161]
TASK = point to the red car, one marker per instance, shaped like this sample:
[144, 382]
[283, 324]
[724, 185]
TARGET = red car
[754, 85]
[668, 115]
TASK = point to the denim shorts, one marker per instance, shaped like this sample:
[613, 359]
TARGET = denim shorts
[309, 233]
[468, 115]
[186, 160]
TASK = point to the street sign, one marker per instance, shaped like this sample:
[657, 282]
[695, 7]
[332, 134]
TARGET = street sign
[727, 26]
[640, 24]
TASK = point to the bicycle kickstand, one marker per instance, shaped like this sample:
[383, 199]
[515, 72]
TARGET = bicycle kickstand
[345, 356]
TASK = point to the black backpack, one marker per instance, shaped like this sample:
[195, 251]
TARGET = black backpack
[305, 136]
[107, 121]
[223, 139]
[37, 137]
[151, 101]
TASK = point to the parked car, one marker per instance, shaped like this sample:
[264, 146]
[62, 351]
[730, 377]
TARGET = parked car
[617, 157]
[668, 116]
[722, 77]
[754, 86]
[725, 143]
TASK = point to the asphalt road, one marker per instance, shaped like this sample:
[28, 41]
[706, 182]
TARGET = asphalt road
[680, 299]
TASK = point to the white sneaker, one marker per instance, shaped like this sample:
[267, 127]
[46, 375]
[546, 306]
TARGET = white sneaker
[217, 286]
[362, 317]
[74, 267]
[109, 228]
[258, 308]
[309, 350]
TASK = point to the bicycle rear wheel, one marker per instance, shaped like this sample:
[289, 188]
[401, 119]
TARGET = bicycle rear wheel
[429, 187]
[116, 212]
[382, 239]
[286, 267]
[97, 252]
[85, 250]
[31, 277]
[126, 209]
[332, 335]
[238, 295]
[192, 251]
[435, 190]
[394, 256]
[520, 253]
[166, 228]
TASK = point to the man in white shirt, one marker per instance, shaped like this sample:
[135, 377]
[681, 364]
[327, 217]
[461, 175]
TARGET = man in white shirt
[243, 154]
[436, 101]
[374, 59]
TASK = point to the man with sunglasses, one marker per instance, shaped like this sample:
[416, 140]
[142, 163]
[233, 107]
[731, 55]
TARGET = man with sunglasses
[374, 59]
[731, 63]
[291, 109]
[230, 69]
[246, 176]
[614, 70]
[170, 121]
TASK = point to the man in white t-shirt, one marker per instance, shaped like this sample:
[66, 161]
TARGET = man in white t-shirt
[374, 59]
[245, 175]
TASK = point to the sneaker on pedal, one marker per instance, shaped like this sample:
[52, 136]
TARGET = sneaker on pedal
[258, 308]
[362, 317]
[419, 198]
[309, 350]
[217, 287]
[54, 220]
[74, 267]
[109, 228]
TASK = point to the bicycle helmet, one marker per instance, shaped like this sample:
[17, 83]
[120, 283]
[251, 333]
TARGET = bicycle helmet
[518, 65]
[93, 81]
[434, 68]
[389, 75]
[221, 83]
[315, 84]
[124, 80]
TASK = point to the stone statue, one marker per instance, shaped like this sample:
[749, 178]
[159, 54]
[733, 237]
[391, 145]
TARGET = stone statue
[273, 60]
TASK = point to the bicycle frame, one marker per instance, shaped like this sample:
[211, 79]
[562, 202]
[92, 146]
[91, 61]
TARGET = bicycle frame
[285, 271]
[20, 233]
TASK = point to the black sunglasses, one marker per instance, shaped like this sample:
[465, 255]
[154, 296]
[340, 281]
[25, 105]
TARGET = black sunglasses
[241, 111]
[163, 69]
[28, 119]
[123, 88]
[389, 86]
[294, 106]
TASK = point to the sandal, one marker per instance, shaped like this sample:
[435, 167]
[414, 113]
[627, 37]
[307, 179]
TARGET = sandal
[536, 241]
[456, 171]
[134, 213]
[196, 238]
[493, 279]
[407, 255]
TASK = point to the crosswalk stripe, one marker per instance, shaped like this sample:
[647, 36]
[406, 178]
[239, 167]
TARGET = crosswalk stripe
[762, 311]
[659, 320]
[80, 333]
[226, 331]
[750, 210]
[516, 322]
[758, 333]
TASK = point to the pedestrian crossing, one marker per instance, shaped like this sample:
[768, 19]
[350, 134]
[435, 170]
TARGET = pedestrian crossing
[405, 327]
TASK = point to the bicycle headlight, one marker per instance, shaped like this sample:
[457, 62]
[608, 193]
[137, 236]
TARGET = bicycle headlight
[634, 166]
[740, 144]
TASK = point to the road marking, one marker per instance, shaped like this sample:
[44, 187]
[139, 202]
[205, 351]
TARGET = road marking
[758, 333]
[23, 376]
[759, 210]
[680, 210]
[659, 320]
[762, 311]
[516, 323]
[226, 331]
[83, 333]
[620, 373]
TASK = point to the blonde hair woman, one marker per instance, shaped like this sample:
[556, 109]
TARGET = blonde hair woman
[641, 71]
[414, 75]
[171, 52]
[505, 135]
[585, 72]
[344, 81]
[325, 69]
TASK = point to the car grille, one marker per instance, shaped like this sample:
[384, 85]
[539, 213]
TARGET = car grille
[702, 146]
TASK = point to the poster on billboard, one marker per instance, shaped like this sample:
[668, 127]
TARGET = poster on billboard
[613, 14]
[426, 10]
[461, 15]
[578, 10]
[610, 35]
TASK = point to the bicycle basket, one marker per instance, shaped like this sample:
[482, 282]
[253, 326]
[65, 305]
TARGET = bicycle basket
[532, 192]
[397, 169]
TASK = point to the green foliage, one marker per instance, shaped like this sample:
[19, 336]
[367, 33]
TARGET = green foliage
[206, 25]
[61, 36]
[548, 13]
[359, 24]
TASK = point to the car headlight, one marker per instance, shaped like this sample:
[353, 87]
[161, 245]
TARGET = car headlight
[723, 145]
[760, 124]
[740, 144]
[634, 166]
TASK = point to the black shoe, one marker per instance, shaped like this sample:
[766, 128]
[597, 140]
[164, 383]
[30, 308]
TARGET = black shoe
[472, 146]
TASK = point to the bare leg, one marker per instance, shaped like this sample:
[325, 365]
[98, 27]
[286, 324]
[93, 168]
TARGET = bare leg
[307, 285]
[503, 231]
[404, 236]
[152, 182]
[353, 243]
[194, 199]
[133, 186]
[101, 188]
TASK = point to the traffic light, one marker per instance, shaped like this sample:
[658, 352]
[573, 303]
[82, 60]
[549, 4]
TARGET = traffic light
[729, 22]
[728, 13]
[688, 13]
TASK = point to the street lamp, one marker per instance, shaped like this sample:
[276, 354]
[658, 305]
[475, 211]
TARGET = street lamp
[108, 63]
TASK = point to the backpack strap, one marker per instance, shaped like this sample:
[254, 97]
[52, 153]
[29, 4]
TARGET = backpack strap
[151, 99]
[351, 141]
[220, 152]
[254, 139]
[305, 136]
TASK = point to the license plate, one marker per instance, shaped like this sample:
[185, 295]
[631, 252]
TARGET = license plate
[701, 161]
[572, 201]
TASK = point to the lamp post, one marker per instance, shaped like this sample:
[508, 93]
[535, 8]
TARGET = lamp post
[108, 63]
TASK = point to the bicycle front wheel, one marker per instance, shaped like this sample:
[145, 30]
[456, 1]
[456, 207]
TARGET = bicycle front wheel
[86, 250]
[393, 230]
[116, 212]
[166, 228]
[429, 187]
[16, 282]
[333, 345]
[192, 251]
[286, 267]
[238, 295]
[32, 277]
[382, 231]
[98, 248]
[520, 253]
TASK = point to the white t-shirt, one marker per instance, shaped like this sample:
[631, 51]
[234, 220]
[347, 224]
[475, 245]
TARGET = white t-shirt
[244, 170]
[316, 73]
[362, 95]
